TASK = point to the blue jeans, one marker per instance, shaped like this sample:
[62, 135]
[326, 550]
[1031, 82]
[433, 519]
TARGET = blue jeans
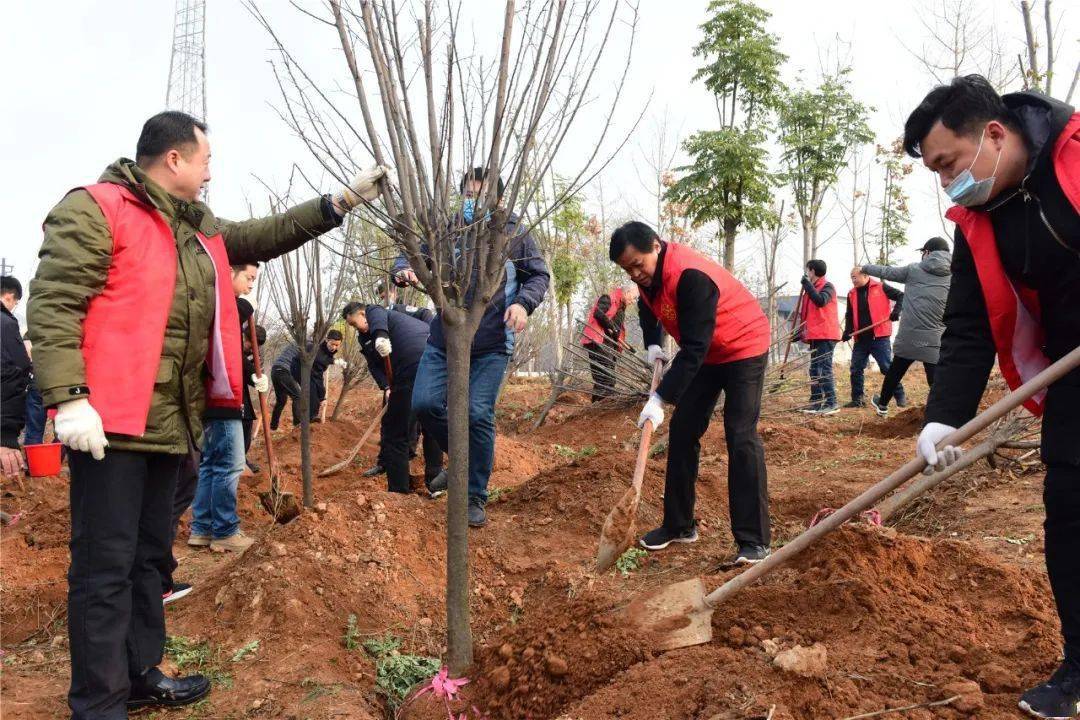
[881, 349]
[213, 512]
[35, 417]
[822, 387]
[429, 403]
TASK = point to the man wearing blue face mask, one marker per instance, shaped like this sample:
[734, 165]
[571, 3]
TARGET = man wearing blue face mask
[523, 288]
[1012, 166]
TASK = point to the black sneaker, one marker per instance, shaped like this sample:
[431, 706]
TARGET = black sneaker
[811, 408]
[1058, 697]
[156, 688]
[882, 410]
[373, 471]
[856, 403]
[747, 555]
[437, 486]
[661, 537]
[901, 402]
[828, 410]
[477, 516]
[178, 591]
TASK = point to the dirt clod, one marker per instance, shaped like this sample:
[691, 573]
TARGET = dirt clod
[971, 696]
[808, 662]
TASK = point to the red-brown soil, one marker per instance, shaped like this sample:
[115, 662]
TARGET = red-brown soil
[900, 616]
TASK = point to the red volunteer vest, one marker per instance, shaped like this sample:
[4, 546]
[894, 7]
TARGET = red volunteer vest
[595, 334]
[819, 323]
[742, 330]
[124, 329]
[1013, 310]
[880, 309]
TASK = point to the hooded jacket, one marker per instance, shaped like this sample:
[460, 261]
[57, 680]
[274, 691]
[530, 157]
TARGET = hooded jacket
[1036, 231]
[926, 285]
[74, 265]
[15, 376]
[408, 336]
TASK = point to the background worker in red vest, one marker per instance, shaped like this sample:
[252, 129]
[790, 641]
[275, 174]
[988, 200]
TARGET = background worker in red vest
[723, 339]
[870, 305]
[1012, 166]
[136, 331]
[604, 335]
[820, 329]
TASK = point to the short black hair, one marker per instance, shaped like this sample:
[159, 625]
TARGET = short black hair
[10, 284]
[241, 266]
[936, 243]
[962, 106]
[164, 132]
[818, 266]
[634, 233]
[334, 335]
[350, 308]
[480, 175]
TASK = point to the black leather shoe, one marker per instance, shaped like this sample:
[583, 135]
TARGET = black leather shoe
[477, 516]
[373, 471]
[156, 688]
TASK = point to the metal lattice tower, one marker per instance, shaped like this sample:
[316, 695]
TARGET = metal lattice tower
[187, 66]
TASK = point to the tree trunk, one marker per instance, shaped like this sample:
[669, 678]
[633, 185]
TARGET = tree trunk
[730, 228]
[347, 384]
[807, 242]
[458, 633]
[305, 429]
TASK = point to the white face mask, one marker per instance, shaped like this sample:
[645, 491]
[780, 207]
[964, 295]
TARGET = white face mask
[966, 190]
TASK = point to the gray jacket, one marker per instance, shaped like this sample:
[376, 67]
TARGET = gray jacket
[926, 285]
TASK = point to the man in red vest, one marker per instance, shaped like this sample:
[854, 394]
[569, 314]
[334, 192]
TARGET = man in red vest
[869, 318]
[604, 335]
[723, 339]
[1012, 166]
[136, 332]
[820, 329]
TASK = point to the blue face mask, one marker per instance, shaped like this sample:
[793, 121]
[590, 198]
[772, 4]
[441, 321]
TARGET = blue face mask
[965, 190]
[468, 209]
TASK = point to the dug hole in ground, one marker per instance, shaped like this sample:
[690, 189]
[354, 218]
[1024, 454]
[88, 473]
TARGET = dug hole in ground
[321, 617]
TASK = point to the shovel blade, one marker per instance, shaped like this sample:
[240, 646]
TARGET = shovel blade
[674, 616]
[619, 530]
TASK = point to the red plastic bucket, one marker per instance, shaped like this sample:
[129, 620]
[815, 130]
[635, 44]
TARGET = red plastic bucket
[43, 460]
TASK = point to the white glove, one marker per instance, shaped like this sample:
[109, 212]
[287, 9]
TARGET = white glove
[78, 425]
[382, 346]
[261, 382]
[653, 410]
[926, 447]
[365, 186]
[655, 352]
[341, 363]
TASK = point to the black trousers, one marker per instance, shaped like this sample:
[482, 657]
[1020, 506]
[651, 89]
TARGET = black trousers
[601, 365]
[1061, 497]
[397, 433]
[285, 388]
[896, 373]
[187, 480]
[247, 424]
[121, 507]
[748, 497]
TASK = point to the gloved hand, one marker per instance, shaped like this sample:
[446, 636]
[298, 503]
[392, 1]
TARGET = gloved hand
[261, 383]
[365, 186]
[653, 410]
[341, 363]
[78, 425]
[926, 447]
[845, 337]
[383, 347]
[654, 353]
[894, 316]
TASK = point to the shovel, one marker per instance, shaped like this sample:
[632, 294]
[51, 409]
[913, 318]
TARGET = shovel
[620, 525]
[680, 615]
[282, 506]
[795, 325]
[367, 433]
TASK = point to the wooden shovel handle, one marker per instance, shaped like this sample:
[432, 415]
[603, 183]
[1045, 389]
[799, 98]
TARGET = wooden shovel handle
[264, 418]
[910, 469]
[646, 435]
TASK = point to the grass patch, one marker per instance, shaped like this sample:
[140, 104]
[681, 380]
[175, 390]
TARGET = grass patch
[658, 448]
[571, 454]
[630, 561]
[395, 672]
[198, 656]
[246, 651]
[496, 494]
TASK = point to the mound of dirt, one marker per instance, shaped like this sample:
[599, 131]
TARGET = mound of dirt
[906, 423]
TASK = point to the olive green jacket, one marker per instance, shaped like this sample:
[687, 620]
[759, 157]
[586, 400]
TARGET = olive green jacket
[74, 264]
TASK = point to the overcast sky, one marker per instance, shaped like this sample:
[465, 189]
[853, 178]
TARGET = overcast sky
[81, 77]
